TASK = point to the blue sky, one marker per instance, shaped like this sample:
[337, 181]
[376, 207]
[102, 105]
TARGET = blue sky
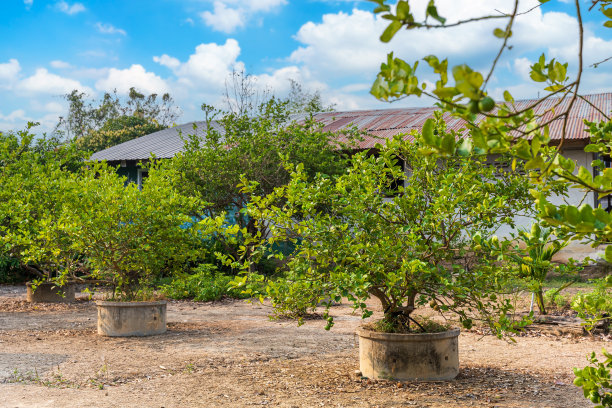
[188, 48]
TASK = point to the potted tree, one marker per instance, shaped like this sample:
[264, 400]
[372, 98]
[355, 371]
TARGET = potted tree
[129, 237]
[36, 176]
[396, 227]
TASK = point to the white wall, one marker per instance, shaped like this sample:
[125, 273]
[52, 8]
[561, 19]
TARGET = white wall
[576, 196]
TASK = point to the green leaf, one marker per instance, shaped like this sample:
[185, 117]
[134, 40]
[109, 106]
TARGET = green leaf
[537, 76]
[433, 12]
[448, 144]
[464, 147]
[390, 31]
[446, 92]
[535, 163]
[381, 9]
[428, 134]
[572, 215]
[403, 10]
[499, 33]
[608, 253]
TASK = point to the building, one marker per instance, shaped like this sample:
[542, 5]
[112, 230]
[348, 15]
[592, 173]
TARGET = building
[386, 123]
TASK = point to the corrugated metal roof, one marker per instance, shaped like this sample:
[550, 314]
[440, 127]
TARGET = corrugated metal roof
[163, 144]
[378, 124]
[386, 123]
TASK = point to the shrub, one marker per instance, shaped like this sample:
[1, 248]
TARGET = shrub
[393, 233]
[10, 271]
[206, 284]
[558, 300]
[596, 306]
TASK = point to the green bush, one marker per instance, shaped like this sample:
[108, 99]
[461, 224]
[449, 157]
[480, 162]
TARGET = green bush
[10, 272]
[596, 306]
[206, 284]
[557, 300]
[595, 380]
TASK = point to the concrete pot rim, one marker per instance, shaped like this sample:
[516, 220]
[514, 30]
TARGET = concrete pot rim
[401, 337]
[108, 303]
[29, 283]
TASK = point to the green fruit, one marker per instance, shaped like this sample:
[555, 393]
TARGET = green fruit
[473, 107]
[486, 104]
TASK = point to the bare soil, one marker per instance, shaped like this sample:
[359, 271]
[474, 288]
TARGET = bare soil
[229, 354]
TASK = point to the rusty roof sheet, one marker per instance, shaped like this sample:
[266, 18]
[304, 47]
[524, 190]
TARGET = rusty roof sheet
[386, 123]
[379, 125]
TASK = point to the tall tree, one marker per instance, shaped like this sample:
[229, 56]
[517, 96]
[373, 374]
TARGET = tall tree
[256, 147]
[35, 175]
[243, 97]
[97, 125]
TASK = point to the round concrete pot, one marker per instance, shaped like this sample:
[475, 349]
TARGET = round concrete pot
[122, 319]
[409, 357]
[49, 292]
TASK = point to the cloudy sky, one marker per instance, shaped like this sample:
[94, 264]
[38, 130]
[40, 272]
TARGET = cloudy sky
[188, 48]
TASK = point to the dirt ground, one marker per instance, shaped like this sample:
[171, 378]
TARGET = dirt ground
[229, 354]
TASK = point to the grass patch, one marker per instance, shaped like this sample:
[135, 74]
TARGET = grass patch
[557, 282]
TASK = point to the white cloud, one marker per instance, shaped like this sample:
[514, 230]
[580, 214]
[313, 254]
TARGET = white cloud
[93, 54]
[229, 15]
[523, 67]
[45, 82]
[58, 64]
[14, 120]
[263, 5]
[109, 29]
[9, 73]
[342, 44]
[208, 67]
[167, 61]
[344, 48]
[75, 8]
[15, 115]
[135, 76]
[28, 3]
[223, 18]
[348, 43]
[54, 107]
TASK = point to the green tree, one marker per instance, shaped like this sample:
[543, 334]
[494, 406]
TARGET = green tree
[304, 101]
[503, 128]
[128, 236]
[116, 131]
[254, 146]
[398, 234]
[36, 175]
[97, 125]
[243, 97]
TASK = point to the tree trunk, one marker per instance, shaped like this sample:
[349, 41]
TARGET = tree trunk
[540, 301]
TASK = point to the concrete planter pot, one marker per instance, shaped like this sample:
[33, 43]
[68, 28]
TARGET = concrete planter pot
[409, 357]
[122, 319]
[49, 292]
